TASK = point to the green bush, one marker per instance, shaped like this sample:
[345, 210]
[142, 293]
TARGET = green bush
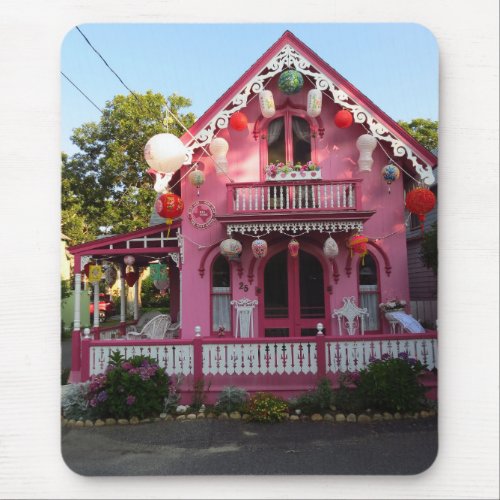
[265, 407]
[316, 401]
[150, 295]
[232, 399]
[136, 387]
[391, 384]
[347, 398]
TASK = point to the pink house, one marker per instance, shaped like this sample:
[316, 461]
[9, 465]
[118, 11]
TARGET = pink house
[272, 322]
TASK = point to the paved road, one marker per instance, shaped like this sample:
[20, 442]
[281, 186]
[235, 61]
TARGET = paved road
[235, 447]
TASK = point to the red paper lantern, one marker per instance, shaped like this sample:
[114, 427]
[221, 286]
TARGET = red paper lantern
[170, 206]
[293, 247]
[420, 201]
[343, 119]
[131, 278]
[238, 121]
[86, 269]
[357, 244]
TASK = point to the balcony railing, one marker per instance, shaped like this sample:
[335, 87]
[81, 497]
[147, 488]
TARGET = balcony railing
[293, 195]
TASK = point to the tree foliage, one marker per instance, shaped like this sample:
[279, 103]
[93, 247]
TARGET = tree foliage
[429, 249]
[424, 131]
[105, 187]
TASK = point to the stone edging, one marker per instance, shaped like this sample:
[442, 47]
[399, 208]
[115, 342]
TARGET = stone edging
[362, 418]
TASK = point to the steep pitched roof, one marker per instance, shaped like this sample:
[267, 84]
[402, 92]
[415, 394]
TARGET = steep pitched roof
[344, 85]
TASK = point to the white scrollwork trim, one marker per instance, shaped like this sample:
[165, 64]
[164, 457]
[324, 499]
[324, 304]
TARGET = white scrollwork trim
[295, 227]
[174, 257]
[288, 57]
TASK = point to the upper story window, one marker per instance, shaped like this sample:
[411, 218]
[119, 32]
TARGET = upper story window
[289, 139]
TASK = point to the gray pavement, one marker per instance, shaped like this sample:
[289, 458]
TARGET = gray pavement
[206, 447]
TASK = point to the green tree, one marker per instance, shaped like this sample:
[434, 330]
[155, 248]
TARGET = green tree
[424, 131]
[105, 188]
[429, 249]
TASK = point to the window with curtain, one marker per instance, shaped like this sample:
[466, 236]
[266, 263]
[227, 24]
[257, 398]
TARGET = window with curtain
[369, 296]
[289, 139]
[221, 295]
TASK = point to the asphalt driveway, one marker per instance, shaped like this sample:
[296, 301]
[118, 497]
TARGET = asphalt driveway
[208, 447]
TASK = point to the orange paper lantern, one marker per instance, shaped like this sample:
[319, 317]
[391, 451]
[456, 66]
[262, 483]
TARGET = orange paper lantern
[293, 247]
[357, 244]
[238, 121]
[420, 201]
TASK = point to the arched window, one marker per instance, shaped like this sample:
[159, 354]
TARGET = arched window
[369, 295]
[289, 139]
[221, 295]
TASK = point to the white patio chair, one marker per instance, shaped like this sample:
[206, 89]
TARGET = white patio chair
[351, 317]
[155, 328]
[244, 317]
[143, 319]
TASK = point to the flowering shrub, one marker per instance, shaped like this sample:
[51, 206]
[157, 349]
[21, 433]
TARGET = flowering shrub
[391, 384]
[135, 387]
[276, 168]
[265, 407]
[392, 305]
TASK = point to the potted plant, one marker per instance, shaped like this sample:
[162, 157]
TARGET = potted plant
[279, 171]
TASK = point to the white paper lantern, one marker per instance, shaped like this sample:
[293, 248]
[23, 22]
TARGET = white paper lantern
[218, 149]
[230, 248]
[366, 143]
[330, 248]
[165, 153]
[161, 284]
[129, 260]
[266, 101]
[314, 100]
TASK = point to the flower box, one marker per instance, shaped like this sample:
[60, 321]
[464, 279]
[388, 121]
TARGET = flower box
[295, 176]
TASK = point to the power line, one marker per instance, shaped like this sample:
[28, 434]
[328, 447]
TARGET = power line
[83, 93]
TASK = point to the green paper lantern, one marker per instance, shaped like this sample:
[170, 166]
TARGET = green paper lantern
[290, 82]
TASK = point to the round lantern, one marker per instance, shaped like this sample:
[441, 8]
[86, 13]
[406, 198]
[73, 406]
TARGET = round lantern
[343, 118]
[259, 248]
[293, 247]
[129, 260]
[266, 101]
[196, 178]
[170, 206]
[330, 248]
[219, 148]
[165, 153]
[390, 173]
[314, 100]
[230, 248]
[86, 269]
[161, 284]
[110, 276]
[420, 201]
[238, 121]
[357, 244]
[366, 143]
[131, 278]
[290, 82]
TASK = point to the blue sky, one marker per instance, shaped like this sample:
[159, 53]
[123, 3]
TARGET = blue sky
[395, 65]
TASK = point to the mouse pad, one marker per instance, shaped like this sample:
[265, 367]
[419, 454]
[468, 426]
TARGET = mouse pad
[249, 249]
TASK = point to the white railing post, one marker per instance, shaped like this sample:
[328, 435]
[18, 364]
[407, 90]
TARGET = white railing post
[96, 304]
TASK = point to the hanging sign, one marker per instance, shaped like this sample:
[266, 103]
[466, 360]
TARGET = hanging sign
[158, 272]
[95, 273]
[201, 214]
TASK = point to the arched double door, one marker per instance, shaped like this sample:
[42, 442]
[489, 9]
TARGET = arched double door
[294, 295]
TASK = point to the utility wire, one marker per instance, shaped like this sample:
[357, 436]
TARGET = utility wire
[83, 93]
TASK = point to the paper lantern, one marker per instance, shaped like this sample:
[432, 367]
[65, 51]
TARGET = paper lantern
[366, 143]
[165, 153]
[357, 244]
[230, 248]
[343, 118]
[420, 201]
[131, 278]
[95, 273]
[314, 100]
[238, 121]
[330, 248]
[266, 101]
[196, 178]
[158, 272]
[290, 82]
[110, 276]
[129, 260]
[259, 248]
[161, 284]
[293, 247]
[390, 173]
[86, 268]
[170, 206]
[218, 149]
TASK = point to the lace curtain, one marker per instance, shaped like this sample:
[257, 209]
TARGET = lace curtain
[369, 299]
[301, 129]
[221, 308]
[274, 130]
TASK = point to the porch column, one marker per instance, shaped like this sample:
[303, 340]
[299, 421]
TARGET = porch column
[95, 328]
[123, 301]
[136, 295]
[75, 335]
[180, 299]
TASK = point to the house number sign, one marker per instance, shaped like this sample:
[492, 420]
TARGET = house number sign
[201, 214]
